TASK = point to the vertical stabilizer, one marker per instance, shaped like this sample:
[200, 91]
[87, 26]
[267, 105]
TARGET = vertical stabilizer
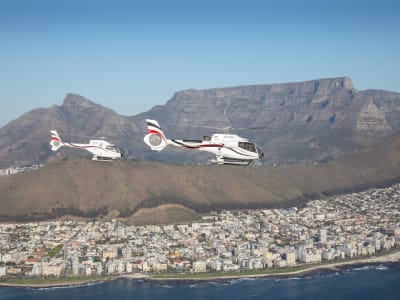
[55, 141]
[155, 137]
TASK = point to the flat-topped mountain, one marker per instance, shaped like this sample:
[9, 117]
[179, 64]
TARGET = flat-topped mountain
[309, 120]
[313, 120]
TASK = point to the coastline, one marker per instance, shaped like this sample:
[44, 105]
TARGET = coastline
[393, 257]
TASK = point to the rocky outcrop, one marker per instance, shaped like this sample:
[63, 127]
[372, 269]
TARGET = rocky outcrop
[372, 118]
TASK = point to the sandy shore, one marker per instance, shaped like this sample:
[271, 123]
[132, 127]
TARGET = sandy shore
[388, 258]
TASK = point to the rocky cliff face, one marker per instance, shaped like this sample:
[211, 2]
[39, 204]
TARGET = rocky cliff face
[312, 120]
[326, 103]
[279, 106]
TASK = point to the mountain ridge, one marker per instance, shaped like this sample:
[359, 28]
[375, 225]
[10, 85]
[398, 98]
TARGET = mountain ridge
[90, 189]
[313, 120]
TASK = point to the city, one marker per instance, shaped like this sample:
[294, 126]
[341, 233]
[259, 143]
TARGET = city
[18, 169]
[346, 226]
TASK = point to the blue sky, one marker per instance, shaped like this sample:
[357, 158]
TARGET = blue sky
[132, 55]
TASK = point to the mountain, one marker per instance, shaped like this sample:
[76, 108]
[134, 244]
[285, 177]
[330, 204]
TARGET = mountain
[26, 140]
[312, 120]
[129, 188]
[315, 120]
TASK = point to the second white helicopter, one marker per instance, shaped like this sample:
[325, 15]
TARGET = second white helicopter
[227, 148]
[101, 149]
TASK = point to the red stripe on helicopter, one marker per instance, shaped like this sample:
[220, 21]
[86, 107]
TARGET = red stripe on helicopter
[87, 147]
[198, 146]
[84, 147]
[149, 131]
[153, 131]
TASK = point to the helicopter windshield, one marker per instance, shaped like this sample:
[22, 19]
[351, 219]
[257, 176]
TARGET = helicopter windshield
[247, 146]
[112, 148]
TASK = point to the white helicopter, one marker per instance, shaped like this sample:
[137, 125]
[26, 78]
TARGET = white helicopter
[101, 149]
[228, 148]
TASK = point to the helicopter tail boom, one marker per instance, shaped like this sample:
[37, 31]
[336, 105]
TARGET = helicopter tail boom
[155, 137]
[55, 141]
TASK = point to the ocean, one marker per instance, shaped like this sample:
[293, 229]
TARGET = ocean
[366, 282]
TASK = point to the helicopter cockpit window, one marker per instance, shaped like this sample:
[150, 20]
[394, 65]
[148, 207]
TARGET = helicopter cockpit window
[248, 146]
[207, 138]
[111, 148]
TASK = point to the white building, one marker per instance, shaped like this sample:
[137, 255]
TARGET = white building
[322, 235]
[3, 271]
[126, 254]
[37, 269]
[199, 266]
[128, 267]
[88, 270]
[52, 269]
[121, 267]
[75, 265]
[349, 250]
[6, 257]
[310, 257]
[99, 268]
[280, 263]
[290, 258]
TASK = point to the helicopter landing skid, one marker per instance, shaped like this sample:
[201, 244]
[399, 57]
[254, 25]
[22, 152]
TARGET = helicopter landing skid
[99, 158]
[226, 161]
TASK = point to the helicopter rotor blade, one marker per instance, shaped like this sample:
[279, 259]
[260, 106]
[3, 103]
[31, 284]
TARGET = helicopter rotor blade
[201, 126]
[250, 128]
[84, 136]
[257, 127]
[225, 129]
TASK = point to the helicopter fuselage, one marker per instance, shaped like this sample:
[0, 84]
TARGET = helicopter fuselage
[228, 148]
[101, 150]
